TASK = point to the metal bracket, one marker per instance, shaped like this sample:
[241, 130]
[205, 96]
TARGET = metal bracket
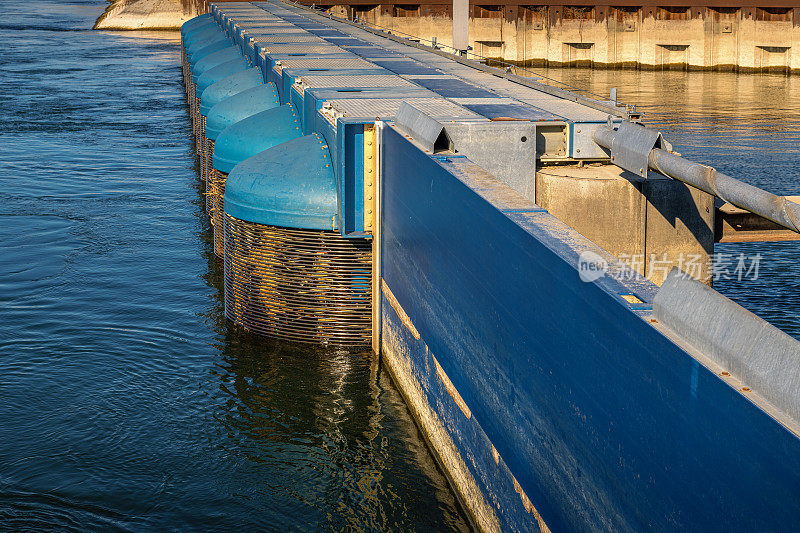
[632, 145]
[426, 130]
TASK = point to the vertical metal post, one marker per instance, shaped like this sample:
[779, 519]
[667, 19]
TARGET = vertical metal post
[376, 239]
[461, 26]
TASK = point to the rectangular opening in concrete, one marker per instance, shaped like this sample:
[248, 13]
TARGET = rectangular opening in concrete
[672, 56]
[772, 58]
[578, 53]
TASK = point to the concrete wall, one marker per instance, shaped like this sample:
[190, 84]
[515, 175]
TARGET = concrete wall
[651, 224]
[652, 37]
[147, 14]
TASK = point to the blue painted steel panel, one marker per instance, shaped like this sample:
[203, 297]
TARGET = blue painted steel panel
[512, 111]
[496, 478]
[290, 185]
[455, 88]
[249, 51]
[350, 176]
[605, 422]
[409, 67]
[240, 106]
[296, 100]
[229, 86]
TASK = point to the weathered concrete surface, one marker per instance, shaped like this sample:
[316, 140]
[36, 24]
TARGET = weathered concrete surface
[650, 224]
[145, 15]
[722, 37]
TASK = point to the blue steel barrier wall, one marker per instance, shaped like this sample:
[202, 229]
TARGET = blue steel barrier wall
[604, 422]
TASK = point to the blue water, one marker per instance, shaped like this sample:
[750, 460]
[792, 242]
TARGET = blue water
[746, 125]
[125, 400]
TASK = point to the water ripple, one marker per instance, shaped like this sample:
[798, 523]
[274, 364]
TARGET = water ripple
[125, 402]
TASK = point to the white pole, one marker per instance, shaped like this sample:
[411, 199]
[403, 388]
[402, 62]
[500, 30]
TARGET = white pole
[461, 26]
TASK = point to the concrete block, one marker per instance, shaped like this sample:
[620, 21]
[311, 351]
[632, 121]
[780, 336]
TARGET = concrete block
[603, 202]
[679, 230]
[651, 225]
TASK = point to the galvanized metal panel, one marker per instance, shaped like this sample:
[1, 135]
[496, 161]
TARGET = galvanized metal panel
[454, 88]
[353, 63]
[355, 80]
[763, 357]
[327, 32]
[372, 51]
[405, 66]
[300, 48]
[435, 107]
[272, 30]
[345, 41]
[506, 150]
[284, 38]
[512, 111]
[426, 130]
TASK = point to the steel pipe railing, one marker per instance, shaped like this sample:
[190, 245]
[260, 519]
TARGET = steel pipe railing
[778, 209]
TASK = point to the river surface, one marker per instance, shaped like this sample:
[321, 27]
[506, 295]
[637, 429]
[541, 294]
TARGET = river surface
[126, 403]
[745, 125]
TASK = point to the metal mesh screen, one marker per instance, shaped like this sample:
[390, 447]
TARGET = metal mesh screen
[203, 147]
[298, 285]
[208, 160]
[217, 216]
[197, 115]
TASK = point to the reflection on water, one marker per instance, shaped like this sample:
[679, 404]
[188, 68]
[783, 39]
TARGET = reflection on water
[746, 125]
[125, 402]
